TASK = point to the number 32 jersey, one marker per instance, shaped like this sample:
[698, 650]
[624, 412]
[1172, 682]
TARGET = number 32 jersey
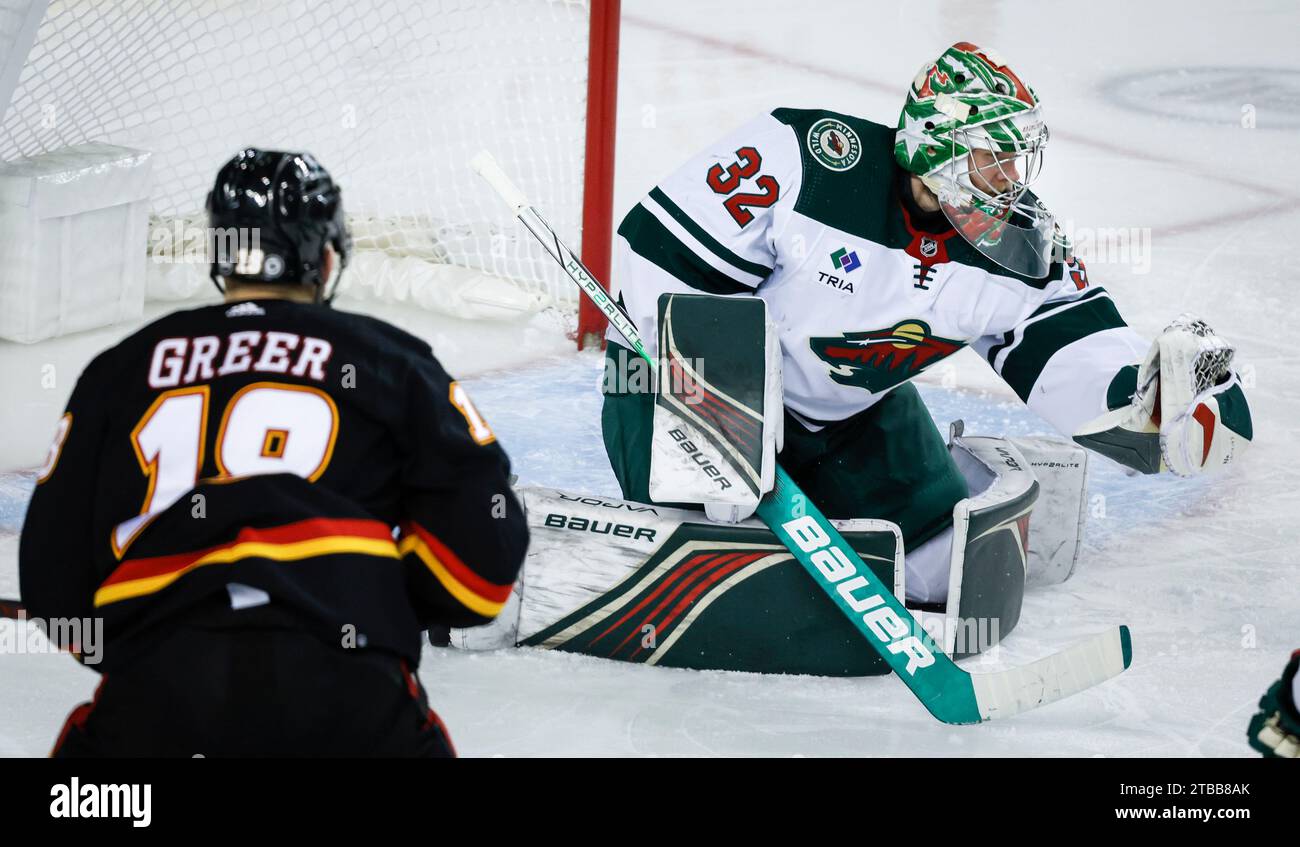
[808, 210]
[323, 460]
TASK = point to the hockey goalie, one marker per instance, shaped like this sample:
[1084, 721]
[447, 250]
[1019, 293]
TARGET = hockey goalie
[790, 281]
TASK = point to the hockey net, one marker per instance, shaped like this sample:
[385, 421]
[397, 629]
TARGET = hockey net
[392, 96]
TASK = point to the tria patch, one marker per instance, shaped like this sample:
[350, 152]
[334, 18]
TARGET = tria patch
[878, 360]
[846, 260]
[835, 282]
[834, 144]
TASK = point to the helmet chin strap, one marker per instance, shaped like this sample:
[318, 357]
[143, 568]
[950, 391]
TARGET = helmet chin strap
[334, 289]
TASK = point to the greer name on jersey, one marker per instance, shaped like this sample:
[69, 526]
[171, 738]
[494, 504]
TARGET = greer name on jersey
[321, 459]
[807, 210]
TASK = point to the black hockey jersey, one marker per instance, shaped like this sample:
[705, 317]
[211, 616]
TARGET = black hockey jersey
[322, 459]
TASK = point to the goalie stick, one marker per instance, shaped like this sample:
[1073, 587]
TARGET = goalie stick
[949, 693]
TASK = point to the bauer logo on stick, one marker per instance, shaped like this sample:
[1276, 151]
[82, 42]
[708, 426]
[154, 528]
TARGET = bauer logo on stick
[888, 626]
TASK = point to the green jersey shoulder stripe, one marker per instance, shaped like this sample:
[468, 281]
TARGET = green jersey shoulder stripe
[1039, 341]
[1056, 305]
[1012, 338]
[743, 265]
[648, 238]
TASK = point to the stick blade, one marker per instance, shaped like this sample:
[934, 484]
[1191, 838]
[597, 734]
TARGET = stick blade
[1081, 666]
[486, 165]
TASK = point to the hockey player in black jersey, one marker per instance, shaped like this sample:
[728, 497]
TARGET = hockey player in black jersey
[267, 501]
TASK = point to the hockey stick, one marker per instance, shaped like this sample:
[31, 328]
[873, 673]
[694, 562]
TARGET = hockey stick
[949, 693]
[12, 609]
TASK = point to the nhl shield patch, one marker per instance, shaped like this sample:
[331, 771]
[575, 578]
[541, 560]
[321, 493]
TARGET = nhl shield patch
[834, 144]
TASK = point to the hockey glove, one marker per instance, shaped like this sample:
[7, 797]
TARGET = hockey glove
[1188, 413]
[1275, 729]
[1198, 402]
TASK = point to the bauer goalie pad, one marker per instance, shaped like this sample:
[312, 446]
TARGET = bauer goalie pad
[989, 555]
[987, 546]
[662, 586]
[718, 411]
[1061, 468]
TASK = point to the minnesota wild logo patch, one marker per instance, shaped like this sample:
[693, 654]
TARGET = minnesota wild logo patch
[879, 359]
[834, 143]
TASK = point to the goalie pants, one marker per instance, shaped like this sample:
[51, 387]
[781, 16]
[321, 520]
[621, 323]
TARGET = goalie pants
[254, 683]
[889, 461]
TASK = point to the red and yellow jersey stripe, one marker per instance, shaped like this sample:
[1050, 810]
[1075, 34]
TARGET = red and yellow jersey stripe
[291, 542]
[467, 587]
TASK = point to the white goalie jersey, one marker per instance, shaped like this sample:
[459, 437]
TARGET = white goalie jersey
[806, 210]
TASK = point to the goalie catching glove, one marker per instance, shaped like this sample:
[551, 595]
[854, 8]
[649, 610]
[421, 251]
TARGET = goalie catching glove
[1187, 413]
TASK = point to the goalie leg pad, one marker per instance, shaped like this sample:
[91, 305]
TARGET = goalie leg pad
[585, 548]
[928, 566]
[501, 631]
[988, 547]
[1061, 468]
[657, 585]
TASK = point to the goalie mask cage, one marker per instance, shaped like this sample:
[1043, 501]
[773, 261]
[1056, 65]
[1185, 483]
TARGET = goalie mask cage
[392, 96]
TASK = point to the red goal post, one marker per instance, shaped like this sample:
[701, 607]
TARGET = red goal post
[598, 175]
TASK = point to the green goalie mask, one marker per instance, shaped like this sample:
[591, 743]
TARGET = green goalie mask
[974, 133]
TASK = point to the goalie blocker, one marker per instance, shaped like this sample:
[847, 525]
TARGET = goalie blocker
[659, 585]
[718, 415]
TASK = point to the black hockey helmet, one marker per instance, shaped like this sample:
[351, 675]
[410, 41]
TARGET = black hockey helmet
[294, 208]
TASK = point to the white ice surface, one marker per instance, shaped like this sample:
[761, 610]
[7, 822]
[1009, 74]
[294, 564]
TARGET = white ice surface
[1205, 572]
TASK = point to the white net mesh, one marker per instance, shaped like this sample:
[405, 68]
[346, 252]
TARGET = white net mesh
[392, 96]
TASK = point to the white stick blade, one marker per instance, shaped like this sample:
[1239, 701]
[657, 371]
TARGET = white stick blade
[486, 166]
[1004, 693]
